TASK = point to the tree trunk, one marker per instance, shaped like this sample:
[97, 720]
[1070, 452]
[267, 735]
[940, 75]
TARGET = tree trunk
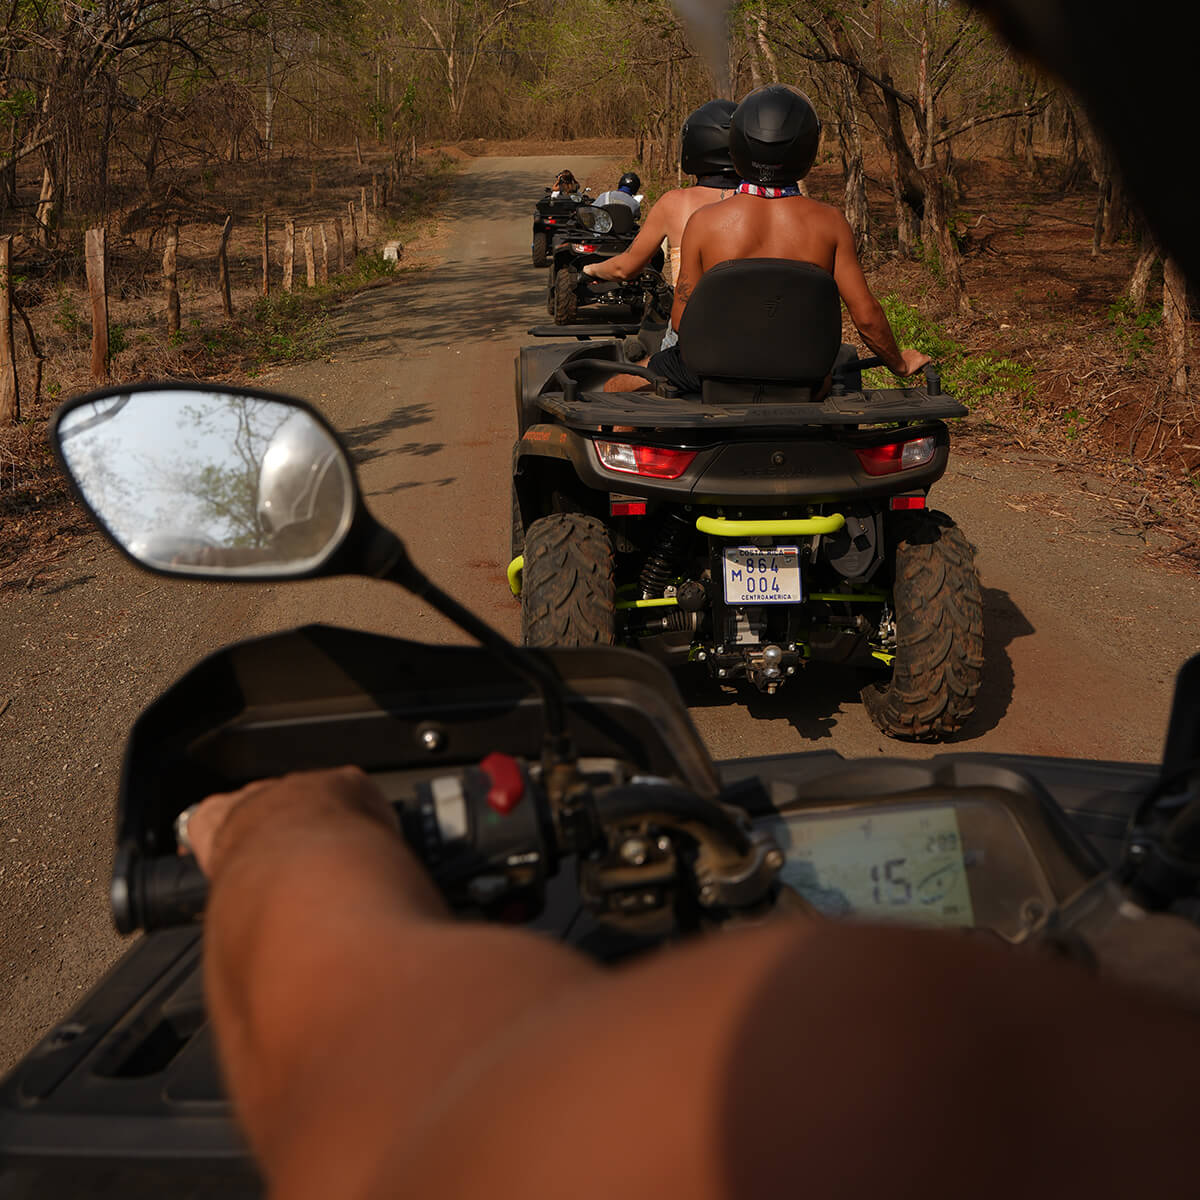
[44, 214]
[1139, 281]
[10, 392]
[324, 265]
[35, 350]
[339, 231]
[1175, 321]
[937, 222]
[170, 279]
[94, 258]
[353, 231]
[768, 53]
[223, 268]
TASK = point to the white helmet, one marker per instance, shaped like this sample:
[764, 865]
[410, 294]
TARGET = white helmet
[301, 482]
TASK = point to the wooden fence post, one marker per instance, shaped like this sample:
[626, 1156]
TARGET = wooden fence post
[289, 254]
[10, 393]
[339, 231]
[94, 247]
[170, 279]
[310, 262]
[223, 267]
[353, 231]
[366, 222]
[375, 192]
[324, 267]
[266, 254]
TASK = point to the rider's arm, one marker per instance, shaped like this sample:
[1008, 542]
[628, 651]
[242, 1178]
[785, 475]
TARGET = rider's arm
[373, 1047]
[865, 311]
[641, 250]
[691, 265]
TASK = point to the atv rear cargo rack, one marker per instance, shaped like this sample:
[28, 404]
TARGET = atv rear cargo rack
[595, 410]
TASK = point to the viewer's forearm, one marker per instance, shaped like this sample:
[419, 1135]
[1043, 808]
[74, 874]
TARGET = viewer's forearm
[341, 994]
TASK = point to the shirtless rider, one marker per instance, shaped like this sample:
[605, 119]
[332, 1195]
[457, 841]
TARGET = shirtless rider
[704, 154]
[773, 141]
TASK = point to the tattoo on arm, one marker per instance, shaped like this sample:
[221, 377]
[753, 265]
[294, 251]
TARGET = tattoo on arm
[683, 289]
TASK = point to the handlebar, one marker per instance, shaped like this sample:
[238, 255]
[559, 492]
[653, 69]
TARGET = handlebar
[490, 838]
[933, 374]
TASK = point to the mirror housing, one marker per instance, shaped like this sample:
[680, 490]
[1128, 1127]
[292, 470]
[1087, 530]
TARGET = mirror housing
[197, 481]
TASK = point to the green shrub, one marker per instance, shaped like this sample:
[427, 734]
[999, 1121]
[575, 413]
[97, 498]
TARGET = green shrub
[970, 377]
[1133, 327]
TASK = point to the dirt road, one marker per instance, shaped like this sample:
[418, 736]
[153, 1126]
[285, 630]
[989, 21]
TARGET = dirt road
[1083, 635]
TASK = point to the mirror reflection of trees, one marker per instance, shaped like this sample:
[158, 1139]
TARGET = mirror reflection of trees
[184, 463]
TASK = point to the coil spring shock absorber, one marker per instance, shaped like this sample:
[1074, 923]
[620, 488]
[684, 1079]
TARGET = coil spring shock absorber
[663, 562]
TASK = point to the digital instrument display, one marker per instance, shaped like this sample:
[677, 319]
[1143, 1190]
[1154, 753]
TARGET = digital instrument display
[903, 864]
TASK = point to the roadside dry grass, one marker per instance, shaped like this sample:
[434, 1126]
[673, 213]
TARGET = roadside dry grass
[37, 515]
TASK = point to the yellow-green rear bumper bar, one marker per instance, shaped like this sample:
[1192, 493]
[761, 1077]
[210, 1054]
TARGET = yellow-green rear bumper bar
[719, 527]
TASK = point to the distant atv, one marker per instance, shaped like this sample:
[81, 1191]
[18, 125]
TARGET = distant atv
[600, 231]
[554, 211]
[755, 526]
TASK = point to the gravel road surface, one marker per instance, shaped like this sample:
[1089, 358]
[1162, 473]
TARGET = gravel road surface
[1083, 633]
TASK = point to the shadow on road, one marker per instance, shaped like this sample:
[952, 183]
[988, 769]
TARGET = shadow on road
[362, 440]
[1003, 623]
[810, 702]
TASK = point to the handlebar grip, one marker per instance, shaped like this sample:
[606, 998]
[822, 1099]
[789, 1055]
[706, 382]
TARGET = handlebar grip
[933, 379]
[171, 891]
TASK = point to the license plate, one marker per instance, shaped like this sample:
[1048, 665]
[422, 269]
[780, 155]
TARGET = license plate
[757, 576]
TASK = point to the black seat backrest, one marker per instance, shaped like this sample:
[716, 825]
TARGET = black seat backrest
[623, 220]
[762, 320]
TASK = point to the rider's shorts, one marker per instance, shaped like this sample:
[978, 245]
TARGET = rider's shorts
[670, 365]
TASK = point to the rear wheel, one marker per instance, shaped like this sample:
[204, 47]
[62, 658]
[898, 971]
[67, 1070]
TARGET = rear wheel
[540, 258]
[568, 597]
[566, 300]
[939, 632]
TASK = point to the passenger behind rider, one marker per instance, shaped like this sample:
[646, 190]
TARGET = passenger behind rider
[773, 140]
[704, 153]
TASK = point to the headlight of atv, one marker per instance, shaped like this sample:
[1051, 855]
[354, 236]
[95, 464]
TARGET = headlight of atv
[595, 219]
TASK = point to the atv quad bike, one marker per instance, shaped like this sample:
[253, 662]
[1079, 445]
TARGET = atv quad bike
[550, 214]
[600, 231]
[758, 525]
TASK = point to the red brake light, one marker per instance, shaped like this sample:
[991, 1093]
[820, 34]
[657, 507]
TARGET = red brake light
[551, 220]
[900, 503]
[655, 462]
[896, 456]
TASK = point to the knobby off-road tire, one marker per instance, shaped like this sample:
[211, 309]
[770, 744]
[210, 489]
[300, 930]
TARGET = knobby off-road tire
[939, 632]
[568, 597]
[540, 257]
[566, 299]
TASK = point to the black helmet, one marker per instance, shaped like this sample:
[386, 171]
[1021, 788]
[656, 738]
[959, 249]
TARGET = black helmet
[773, 135]
[704, 148]
[629, 182]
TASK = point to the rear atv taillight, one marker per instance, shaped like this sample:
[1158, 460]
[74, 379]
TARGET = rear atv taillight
[905, 503]
[656, 462]
[896, 456]
[551, 220]
[583, 248]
